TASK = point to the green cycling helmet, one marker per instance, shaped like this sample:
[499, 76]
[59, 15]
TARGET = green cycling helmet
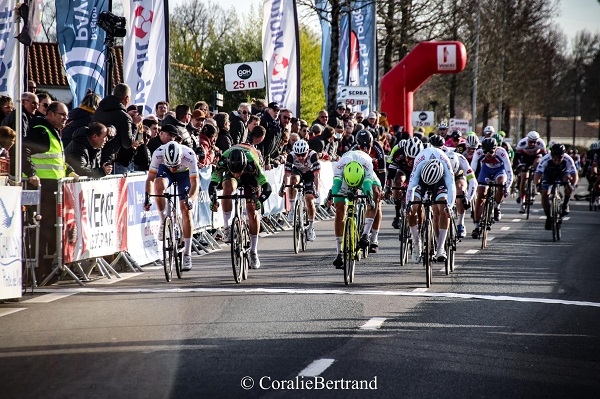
[354, 174]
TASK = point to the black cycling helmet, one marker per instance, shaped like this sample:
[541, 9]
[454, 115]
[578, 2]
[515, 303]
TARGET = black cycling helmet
[456, 134]
[236, 161]
[557, 150]
[364, 138]
[489, 145]
[436, 140]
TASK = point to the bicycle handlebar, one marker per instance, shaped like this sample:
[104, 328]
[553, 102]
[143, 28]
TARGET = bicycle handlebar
[237, 196]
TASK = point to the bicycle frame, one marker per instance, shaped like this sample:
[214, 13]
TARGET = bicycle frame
[486, 217]
[300, 218]
[555, 199]
[240, 236]
[404, 235]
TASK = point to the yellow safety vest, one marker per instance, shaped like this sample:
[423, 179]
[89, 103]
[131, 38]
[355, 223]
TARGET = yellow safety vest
[50, 164]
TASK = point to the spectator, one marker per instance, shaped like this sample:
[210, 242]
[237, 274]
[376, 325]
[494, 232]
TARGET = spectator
[30, 104]
[337, 117]
[206, 147]
[331, 143]
[152, 125]
[123, 162]
[142, 157]
[6, 106]
[315, 130]
[238, 120]
[80, 116]
[203, 106]
[167, 133]
[253, 121]
[303, 131]
[183, 116]
[44, 163]
[295, 125]
[289, 147]
[258, 107]
[112, 111]
[347, 140]
[322, 119]
[31, 86]
[359, 118]
[8, 137]
[317, 142]
[44, 101]
[285, 138]
[224, 139]
[271, 144]
[83, 152]
[255, 137]
[285, 119]
[371, 122]
[197, 122]
[161, 108]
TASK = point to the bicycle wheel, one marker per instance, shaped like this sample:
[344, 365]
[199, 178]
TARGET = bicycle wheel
[298, 226]
[450, 247]
[360, 223]
[304, 239]
[404, 237]
[237, 250]
[169, 248]
[246, 253]
[528, 195]
[485, 220]
[427, 250]
[349, 248]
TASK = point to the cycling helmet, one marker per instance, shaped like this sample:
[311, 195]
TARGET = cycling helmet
[300, 147]
[432, 172]
[236, 161]
[172, 155]
[498, 138]
[533, 135]
[488, 145]
[454, 161]
[442, 125]
[456, 134]
[594, 146]
[413, 147]
[364, 138]
[489, 130]
[557, 150]
[353, 174]
[502, 134]
[472, 141]
[436, 140]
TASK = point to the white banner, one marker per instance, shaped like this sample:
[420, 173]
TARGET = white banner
[10, 242]
[144, 52]
[281, 53]
[8, 48]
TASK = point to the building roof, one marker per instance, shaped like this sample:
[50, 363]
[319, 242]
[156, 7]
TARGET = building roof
[45, 65]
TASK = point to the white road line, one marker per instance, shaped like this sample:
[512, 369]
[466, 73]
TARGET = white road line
[152, 267]
[566, 218]
[124, 276]
[50, 297]
[505, 228]
[517, 220]
[542, 217]
[490, 238]
[4, 312]
[373, 324]
[316, 368]
[471, 251]
[292, 291]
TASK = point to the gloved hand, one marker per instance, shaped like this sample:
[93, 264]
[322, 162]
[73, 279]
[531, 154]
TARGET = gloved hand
[466, 203]
[282, 190]
[147, 204]
[316, 194]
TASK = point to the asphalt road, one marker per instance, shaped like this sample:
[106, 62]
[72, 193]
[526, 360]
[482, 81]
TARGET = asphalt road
[518, 319]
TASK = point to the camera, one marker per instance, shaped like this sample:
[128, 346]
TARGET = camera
[112, 24]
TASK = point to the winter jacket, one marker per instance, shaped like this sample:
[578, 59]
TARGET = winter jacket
[78, 117]
[112, 112]
[82, 157]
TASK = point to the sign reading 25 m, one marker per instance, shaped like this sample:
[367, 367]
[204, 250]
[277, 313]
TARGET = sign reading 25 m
[244, 76]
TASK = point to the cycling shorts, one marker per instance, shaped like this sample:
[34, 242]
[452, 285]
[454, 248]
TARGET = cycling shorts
[489, 174]
[182, 178]
[308, 178]
[439, 190]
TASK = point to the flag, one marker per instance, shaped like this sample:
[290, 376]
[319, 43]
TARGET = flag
[323, 7]
[8, 50]
[281, 53]
[145, 52]
[362, 26]
[81, 45]
[32, 22]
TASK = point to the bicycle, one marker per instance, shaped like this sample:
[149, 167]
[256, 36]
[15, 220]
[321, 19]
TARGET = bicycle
[450, 245]
[300, 218]
[555, 199]
[487, 218]
[529, 191]
[350, 248]
[404, 235]
[172, 233]
[240, 236]
[361, 210]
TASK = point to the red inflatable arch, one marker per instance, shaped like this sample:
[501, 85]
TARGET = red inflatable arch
[399, 84]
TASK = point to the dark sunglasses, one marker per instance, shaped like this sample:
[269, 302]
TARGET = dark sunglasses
[488, 152]
[285, 117]
[45, 105]
[244, 112]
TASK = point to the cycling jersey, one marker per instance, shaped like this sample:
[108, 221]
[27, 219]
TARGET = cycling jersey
[397, 162]
[310, 163]
[527, 154]
[252, 169]
[498, 165]
[377, 155]
[340, 186]
[465, 171]
[551, 171]
[189, 161]
[447, 180]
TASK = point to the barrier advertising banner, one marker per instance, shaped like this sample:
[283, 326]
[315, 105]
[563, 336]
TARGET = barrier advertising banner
[142, 226]
[8, 48]
[10, 242]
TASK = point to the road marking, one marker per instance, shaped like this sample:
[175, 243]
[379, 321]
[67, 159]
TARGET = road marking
[316, 368]
[124, 276]
[542, 217]
[291, 291]
[50, 297]
[517, 220]
[505, 228]
[471, 251]
[373, 324]
[566, 218]
[152, 267]
[4, 312]
[490, 238]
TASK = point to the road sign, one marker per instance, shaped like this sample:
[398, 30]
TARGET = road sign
[244, 76]
[461, 125]
[355, 93]
[422, 118]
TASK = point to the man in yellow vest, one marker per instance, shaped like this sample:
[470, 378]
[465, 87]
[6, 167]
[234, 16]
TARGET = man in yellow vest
[44, 163]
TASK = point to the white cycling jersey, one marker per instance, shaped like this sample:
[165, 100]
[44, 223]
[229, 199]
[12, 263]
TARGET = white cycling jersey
[524, 148]
[499, 160]
[420, 161]
[189, 161]
[465, 167]
[358, 156]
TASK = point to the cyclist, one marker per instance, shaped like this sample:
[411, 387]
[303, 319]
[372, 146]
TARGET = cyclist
[468, 148]
[488, 131]
[456, 138]
[442, 130]
[399, 168]
[504, 144]
[365, 143]
[302, 164]
[495, 167]
[556, 166]
[353, 171]
[432, 172]
[528, 152]
[466, 186]
[240, 165]
[170, 163]
[590, 166]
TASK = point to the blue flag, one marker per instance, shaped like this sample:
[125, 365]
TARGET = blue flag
[81, 45]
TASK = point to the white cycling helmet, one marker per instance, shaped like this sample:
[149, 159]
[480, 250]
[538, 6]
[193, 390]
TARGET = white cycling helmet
[533, 135]
[443, 125]
[172, 155]
[432, 172]
[300, 147]
[472, 141]
[489, 130]
[454, 162]
[413, 147]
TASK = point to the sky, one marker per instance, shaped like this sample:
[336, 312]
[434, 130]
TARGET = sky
[575, 14]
